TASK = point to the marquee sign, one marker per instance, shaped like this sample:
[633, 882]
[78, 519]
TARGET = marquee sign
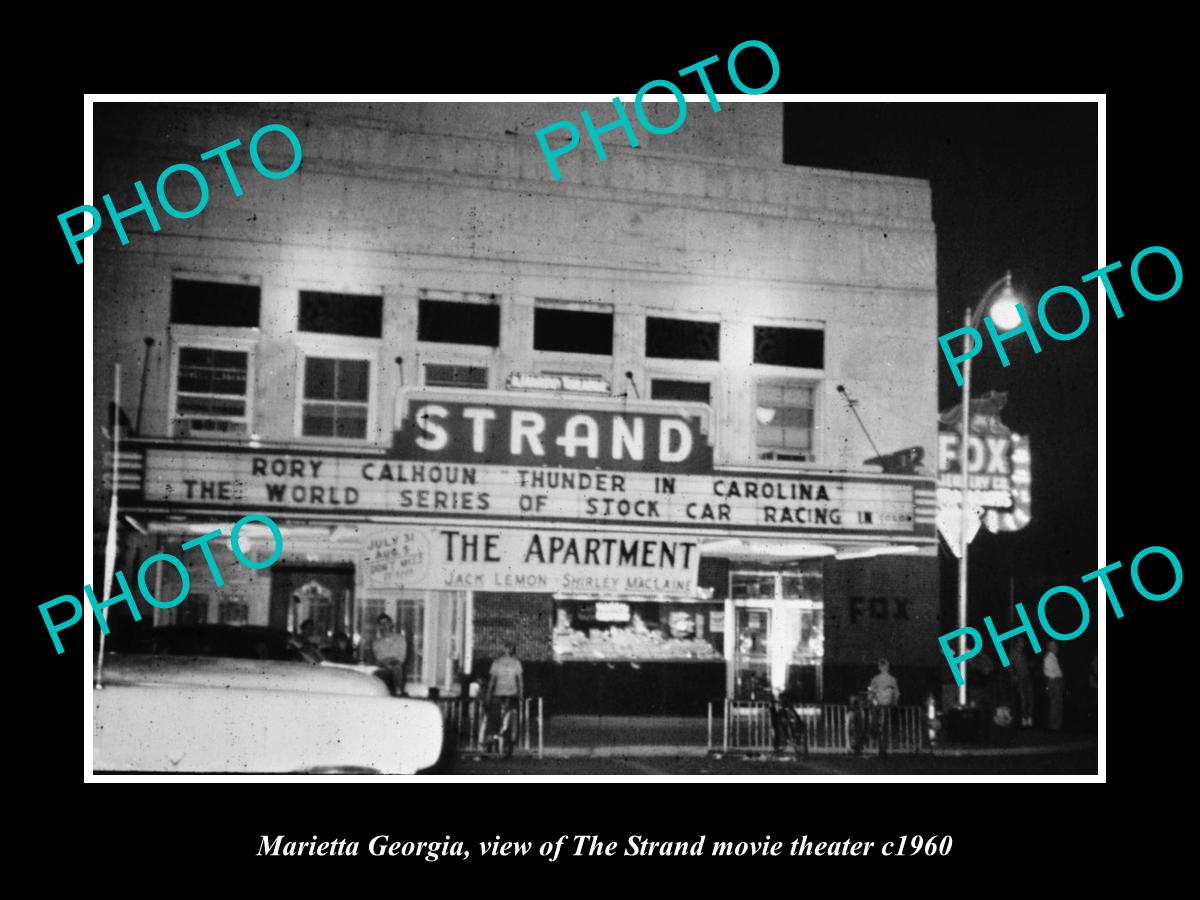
[513, 559]
[551, 431]
[479, 457]
[365, 486]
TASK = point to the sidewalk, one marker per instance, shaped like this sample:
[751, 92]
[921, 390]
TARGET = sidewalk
[633, 736]
[1022, 742]
[628, 736]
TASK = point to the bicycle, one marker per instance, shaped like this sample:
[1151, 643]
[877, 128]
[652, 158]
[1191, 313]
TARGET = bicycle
[881, 726]
[788, 730]
[857, 726]
[503, 740]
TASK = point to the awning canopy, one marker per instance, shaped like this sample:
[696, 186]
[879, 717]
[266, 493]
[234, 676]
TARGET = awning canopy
[699, 595]
[747, 550]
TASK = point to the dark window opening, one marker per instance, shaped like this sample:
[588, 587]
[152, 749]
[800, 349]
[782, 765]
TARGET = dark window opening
[573, 331]
[686, 391]
[442, 375]
[682, 339]
[214, 303]
[357, 315]
[797, 347]
[448, 322]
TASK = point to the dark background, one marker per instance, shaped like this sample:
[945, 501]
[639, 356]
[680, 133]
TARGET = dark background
[995, 834]
[1014, 189]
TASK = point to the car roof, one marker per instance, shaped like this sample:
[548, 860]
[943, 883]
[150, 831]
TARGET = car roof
[259, 630]
[231, 641]
[225, 672]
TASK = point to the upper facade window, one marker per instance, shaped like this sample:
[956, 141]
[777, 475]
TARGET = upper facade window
[682, 339]
[355, 315]
[455, 376]
[676, 389]
[212, 396]
[212, 357]
[214, 303]
[798, 348]
[337, 397]
[569, 330]
[455, 322]
[783, 419]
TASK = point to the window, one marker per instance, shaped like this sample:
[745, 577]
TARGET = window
[442, 375]
[410, 618]
[214, 303]
[629, 629]
[432, 622]
[802, 348]
[234, 612]
[783, 419]
[352, 314]
[453, 322]
[194, 612]
[682, 339]
[212, 391]
[572, 331]
[336, 397]
[686, 391]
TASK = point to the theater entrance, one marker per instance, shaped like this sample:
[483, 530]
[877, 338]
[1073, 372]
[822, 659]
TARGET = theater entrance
[322, 594]
[779, 633]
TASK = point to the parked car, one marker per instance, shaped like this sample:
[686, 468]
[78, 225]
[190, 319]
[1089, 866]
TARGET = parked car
[234, 642]
[184, 705]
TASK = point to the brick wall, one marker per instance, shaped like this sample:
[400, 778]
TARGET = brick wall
[525, 619]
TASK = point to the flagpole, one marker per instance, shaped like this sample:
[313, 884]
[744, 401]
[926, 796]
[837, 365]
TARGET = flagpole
[110, 544]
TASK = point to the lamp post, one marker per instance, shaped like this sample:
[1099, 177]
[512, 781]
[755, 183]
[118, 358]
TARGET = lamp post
[1001, 302]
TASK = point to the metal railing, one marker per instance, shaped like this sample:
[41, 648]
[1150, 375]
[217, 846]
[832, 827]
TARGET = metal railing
[464, 718]
[747, 725]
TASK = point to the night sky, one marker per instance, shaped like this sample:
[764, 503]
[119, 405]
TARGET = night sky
[1014, 188]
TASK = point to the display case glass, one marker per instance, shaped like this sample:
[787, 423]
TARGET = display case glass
[620, 630]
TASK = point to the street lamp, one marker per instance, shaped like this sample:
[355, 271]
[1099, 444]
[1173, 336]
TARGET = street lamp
[1000, 301]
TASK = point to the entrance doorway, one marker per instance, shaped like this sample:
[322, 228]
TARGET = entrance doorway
[435, 624]
[324, 595]
[779, 634]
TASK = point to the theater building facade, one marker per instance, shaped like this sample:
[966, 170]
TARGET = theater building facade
[607, 418]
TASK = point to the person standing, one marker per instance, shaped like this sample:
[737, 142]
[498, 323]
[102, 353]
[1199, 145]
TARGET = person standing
[1022, 681]
[884, 692]
[1054, 687]
[308, 633]
[506, 685]
[389, 649]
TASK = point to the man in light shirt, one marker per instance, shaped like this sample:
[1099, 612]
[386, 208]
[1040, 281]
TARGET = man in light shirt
[1053, 674]
[506, 686]
[506, 676]
[389, 649]
[884, 691]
